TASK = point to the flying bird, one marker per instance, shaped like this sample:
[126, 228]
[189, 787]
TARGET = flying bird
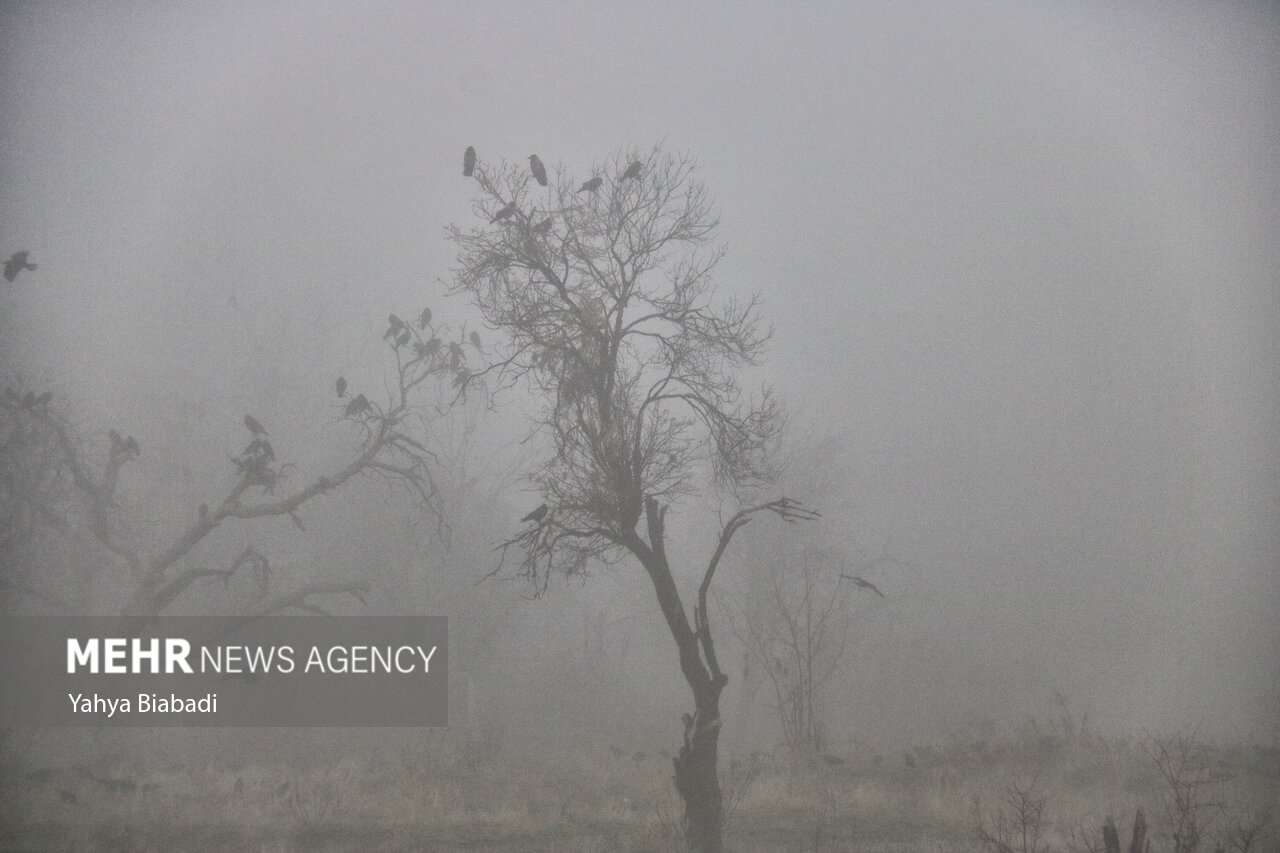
[591, 185]
[861, 584]
[537, 515]
[254, 427]
[469, 162]
[341, 386]
[539, 171]
[633, 171]
[17, 263]
[506, 212]
[544, 226]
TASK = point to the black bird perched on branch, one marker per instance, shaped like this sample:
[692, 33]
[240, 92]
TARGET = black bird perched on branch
[424, 318]
[357, 405]
[633, 171]
[539, 171]
[17, 263]
[861, 584]
[544, 226]
[341, 387]
[591, 185]
[469, 162]
[507, 211]
[254, 427]
[537, 515]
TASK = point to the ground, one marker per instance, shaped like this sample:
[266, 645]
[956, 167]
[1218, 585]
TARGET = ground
[445, 797]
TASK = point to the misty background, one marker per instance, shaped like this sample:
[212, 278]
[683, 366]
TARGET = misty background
[1020, 261]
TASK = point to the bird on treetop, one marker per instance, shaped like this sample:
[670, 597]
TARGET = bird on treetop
[341, 386]
[506, 212]
[254, 427]
[469, 162]
[633, 171]
[539, 171]
[591, 185]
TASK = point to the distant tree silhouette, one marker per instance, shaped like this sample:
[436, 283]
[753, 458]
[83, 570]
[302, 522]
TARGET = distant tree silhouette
[51, 480]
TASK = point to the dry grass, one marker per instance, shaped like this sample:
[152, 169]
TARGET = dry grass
[445, 797]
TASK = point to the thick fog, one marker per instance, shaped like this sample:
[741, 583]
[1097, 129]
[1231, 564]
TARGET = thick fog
[1020, 261]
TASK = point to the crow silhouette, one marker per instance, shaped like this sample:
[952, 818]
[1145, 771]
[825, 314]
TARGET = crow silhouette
[17, 263]
[469, 162]
[341, 387]
[357, 405]
[633, 171]
[506, 212]
[591, 185]
[544, 226]
[539, 171]
[475, 339]
[424, 318]
[537, 515]
[254, 427]
[861, 584]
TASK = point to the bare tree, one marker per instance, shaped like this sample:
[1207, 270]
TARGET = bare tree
[1191, 788]
[603, 292]
[797, 627]
[53, 477]
[1018, 822]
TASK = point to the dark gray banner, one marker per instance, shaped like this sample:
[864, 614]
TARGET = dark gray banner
[275, 671]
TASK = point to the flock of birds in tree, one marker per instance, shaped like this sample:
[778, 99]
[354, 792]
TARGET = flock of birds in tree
[539, 172]
[400, 333]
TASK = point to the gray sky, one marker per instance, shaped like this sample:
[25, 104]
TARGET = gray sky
[1021, 257]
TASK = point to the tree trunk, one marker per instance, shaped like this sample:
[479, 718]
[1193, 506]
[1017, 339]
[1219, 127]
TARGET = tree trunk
[697, 781]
